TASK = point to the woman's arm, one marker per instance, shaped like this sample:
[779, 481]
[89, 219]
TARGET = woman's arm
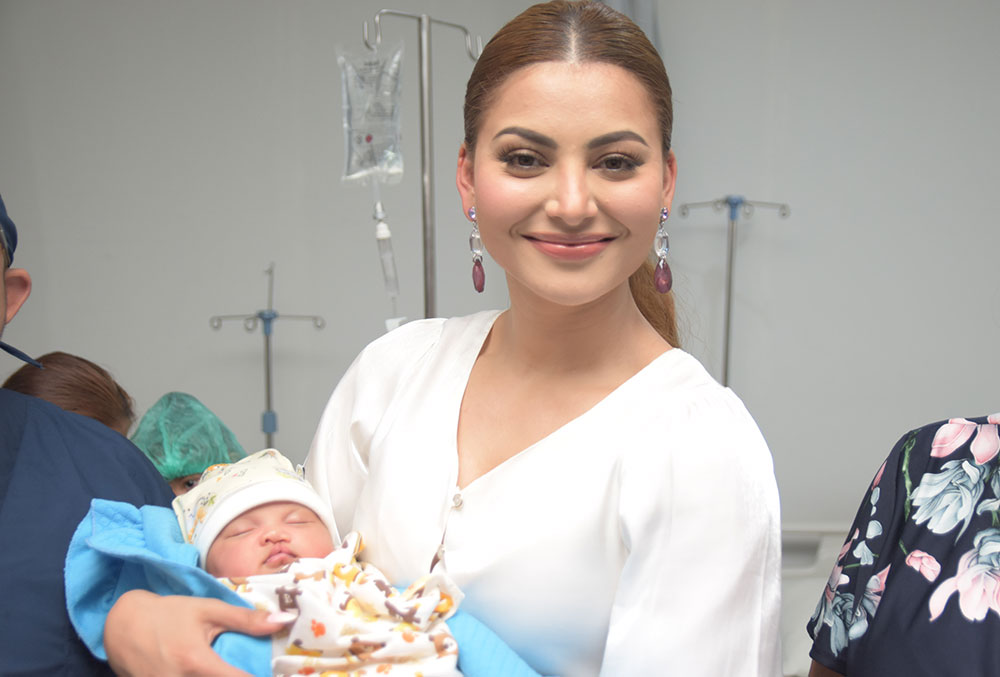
[700, 589]
[154, 636]
[817, 670]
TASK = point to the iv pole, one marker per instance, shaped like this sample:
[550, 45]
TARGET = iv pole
[736, 203]
[269, 419]
[426, 133]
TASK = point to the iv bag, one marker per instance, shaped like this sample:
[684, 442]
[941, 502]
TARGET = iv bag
[370, 86]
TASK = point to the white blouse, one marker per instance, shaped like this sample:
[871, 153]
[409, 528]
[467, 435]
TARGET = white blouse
[641, 538]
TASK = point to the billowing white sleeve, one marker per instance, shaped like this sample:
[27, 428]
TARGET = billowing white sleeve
[337, 465]
[700, 590]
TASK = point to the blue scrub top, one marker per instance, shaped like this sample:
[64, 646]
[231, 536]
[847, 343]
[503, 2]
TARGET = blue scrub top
[52, 463]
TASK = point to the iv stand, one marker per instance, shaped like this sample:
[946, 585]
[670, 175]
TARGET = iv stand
[269, 419]
[426, 134]
[736, 203]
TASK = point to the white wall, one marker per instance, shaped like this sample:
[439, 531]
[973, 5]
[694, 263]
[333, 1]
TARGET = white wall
[873, 309]
[157, 156]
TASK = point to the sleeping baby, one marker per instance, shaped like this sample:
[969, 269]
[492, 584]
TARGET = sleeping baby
[255, 533]
[261, 529]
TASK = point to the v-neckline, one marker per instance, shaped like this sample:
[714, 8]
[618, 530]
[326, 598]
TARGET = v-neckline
[466, 374]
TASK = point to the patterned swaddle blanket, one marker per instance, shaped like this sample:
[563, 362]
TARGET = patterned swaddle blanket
[351, 619]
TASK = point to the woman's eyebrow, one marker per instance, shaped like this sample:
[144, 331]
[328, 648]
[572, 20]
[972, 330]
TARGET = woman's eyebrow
[534, 137]
[613, 137]
[548, 142]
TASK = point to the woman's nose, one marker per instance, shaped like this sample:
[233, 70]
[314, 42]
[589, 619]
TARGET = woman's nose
[572, 200]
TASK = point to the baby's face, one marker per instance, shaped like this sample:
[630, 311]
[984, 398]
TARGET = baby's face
[263, 540]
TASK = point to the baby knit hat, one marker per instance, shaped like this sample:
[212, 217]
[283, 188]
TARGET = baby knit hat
[228, 490]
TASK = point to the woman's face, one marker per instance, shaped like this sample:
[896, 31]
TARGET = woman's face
[568, 179]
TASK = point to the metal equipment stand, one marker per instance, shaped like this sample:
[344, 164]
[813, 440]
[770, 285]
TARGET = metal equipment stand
[426, 134]
[736, 203]
[269, 419]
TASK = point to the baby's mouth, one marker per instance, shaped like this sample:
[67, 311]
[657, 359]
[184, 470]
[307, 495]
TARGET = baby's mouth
[279, 556]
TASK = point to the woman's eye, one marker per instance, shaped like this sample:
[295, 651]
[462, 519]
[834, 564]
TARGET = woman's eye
[189, 484]
[618, 163]
[522, 161]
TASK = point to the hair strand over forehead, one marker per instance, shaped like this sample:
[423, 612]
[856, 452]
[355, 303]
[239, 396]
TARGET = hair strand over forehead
[573, 32]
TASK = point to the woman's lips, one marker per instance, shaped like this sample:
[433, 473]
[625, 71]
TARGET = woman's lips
[569, 250]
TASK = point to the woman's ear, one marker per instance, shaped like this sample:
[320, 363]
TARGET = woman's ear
[465, 178]
[669, 178]
[17, 286]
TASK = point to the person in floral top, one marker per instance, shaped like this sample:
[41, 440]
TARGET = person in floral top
[916, 587]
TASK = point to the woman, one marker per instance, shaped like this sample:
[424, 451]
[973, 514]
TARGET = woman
[603, 503]
[914, 589]
[78, 385]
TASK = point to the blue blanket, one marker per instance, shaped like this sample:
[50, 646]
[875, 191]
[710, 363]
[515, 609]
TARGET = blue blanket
[118, 547]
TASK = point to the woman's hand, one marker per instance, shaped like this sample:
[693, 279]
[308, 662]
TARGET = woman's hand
[147, 634]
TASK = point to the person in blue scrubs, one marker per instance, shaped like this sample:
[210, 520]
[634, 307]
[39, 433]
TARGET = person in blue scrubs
[52, 463]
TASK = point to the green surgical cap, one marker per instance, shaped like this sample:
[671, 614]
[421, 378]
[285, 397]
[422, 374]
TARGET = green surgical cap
[182, 437]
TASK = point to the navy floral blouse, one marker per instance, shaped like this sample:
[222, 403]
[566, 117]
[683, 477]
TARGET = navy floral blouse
[916, 588]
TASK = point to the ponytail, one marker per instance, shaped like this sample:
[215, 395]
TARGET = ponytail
[657, 308]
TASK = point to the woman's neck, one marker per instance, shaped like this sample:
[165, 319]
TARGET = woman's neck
[610, 332]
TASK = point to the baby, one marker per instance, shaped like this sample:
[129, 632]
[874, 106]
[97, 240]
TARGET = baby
[254, 516]
[259, 526]
[254, 532]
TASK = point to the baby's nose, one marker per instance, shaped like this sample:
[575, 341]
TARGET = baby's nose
[275, 534]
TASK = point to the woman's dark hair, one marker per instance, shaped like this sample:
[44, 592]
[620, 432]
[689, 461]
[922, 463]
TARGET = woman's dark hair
[78, 385]
[579, 32]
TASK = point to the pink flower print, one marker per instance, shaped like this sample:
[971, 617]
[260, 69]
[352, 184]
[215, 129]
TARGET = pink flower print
[837, 579]
[848, 544]
[878, 475]
[986, 445]
[926, 564]
[977, 580]
[951, 436]
[875, 587]
[957, 432]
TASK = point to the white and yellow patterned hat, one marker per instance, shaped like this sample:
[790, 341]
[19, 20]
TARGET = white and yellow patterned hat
[228, 490]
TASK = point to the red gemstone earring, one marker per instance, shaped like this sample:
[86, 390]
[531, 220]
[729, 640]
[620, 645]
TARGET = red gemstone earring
[476, 246]
[662, 277]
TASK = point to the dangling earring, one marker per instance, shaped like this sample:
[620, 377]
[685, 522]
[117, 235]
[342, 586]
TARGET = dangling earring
[662, 277]
[476, 246]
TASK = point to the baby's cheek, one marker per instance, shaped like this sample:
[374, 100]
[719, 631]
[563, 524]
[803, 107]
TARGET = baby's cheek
[211, 566]
[321, 546]
[220, 561]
